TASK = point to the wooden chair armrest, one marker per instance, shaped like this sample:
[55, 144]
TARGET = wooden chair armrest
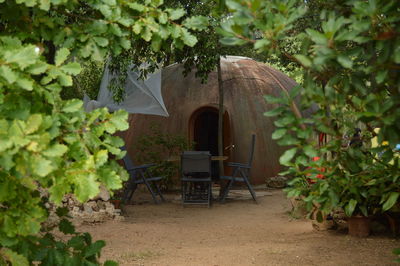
[241, 165]
[144, 166]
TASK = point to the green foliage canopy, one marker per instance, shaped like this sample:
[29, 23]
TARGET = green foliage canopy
[350, 58]
[48, 146]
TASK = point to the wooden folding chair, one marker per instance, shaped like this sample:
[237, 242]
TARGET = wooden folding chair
[196, 177]
[240, 173]
[140, 175]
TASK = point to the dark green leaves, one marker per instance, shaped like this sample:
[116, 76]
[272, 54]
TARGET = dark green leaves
[391, 201]
[287, 156]
[350, 207]
[66, 227]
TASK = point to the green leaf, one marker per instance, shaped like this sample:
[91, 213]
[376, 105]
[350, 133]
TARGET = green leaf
[273, 99]
[287, 156]
[86, 187]
[391, 201]
[61, 56]
[105, 10]
[345, 61]
[175, 14]
[101, 157]
[317, 37]
[42, 166]
[232, 41]
[279, 133]
[110, 2]
[22, 57]
[381, 76]
[8, 74]
[62, 211]
[56, 150]
[65, 80]
[137, 27]
[261, 44]
[33, 123]
[103, 42]
[310, 151]
[188, 38]
[304, 60]
[110, 263]
[66, 227]
[37, 68]
[156, 42]
[25, 84]
[72, 106]
[95, 248]
[275, 111]
[136, 6]
[163, 18]
[370, 182]
[196, 23]
[119, 120]
[44, 4]
[73, 68]
[14, 257]
[350, 207]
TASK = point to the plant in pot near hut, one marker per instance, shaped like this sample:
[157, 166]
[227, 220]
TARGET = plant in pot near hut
[117, 199]
[357, 181]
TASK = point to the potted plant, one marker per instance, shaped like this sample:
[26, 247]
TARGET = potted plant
[359, 185]
[116, 199]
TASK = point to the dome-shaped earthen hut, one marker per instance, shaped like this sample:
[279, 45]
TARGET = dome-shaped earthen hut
[193, 109]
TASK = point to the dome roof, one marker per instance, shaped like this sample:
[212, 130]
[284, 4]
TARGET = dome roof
[245, 82]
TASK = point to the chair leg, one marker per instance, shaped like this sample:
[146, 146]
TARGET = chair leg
[249, 186]
[209, 194]
[230, 183]
[159, 191]
[128, 193]
[184, 191]
[152, 193]
[226, 190]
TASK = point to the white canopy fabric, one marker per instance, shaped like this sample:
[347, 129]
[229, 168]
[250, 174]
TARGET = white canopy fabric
[141, 96]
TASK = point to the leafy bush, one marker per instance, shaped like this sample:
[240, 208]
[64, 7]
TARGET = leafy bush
[50, 144]
[350, 59]
[157, 147]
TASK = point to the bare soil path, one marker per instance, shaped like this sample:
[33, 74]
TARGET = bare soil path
[235, 233]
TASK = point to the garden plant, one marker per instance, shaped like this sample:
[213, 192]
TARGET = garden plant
[350, 59]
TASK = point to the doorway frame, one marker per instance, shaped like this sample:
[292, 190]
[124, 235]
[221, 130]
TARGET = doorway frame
[227, 129]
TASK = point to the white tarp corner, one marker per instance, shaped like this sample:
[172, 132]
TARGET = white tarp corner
[141, 96]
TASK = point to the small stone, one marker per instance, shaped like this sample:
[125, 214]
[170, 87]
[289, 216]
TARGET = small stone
[87, 208]
[276, 182]
[104, 194]
[119, 218]
[101, 204]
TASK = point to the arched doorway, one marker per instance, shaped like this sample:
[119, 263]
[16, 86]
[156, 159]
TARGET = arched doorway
[203, 129]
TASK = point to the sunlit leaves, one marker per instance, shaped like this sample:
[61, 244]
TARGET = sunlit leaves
[53, 145]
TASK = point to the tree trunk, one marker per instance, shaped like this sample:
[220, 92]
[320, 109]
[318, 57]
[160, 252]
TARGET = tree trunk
[220, 118]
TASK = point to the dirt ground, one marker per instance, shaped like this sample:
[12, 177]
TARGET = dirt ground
[238, 232]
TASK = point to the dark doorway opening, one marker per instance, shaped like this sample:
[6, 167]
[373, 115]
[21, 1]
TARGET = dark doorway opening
[204, 132]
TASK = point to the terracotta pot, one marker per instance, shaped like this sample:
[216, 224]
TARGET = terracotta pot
[116, 203]
[359, 226]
